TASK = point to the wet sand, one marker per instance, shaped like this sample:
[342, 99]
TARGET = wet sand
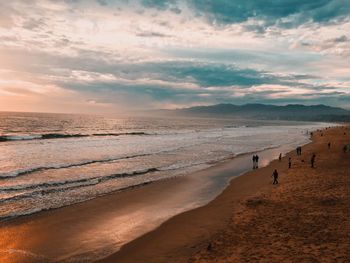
[94, 229]
[303, 219]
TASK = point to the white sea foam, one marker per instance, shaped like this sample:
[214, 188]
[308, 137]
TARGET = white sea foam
[61, 170]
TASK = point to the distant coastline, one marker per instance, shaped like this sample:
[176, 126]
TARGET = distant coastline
[290, 112]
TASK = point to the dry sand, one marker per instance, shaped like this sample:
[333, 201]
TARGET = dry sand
[306, 218]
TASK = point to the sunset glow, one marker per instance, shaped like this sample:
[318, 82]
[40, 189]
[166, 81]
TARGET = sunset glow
[111, 56]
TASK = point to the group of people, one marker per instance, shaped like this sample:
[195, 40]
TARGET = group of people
[255, 161]
[298, 149]
[312, 160]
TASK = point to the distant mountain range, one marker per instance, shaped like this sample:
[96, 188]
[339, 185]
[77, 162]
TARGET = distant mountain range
[267, 112]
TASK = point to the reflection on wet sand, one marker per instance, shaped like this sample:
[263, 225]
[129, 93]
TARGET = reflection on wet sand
[98, 227]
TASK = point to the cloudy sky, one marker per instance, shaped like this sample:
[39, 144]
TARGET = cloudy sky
[117, 55]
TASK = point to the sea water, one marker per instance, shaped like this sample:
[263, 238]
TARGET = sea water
[53, 160]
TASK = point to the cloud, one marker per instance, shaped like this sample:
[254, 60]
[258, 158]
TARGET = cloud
[285, 14]
[152, 34]
[102, 2]
[170, 53]
[341, 39]
[210, 74]
[33, 24]
[6, 15]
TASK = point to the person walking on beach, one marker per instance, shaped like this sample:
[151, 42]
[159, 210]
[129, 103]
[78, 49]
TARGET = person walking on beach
[280, 157]
[298, 150]
[275, 177]
[289, 163]
[344, 148]
[257, 161]
[313, 157]
[254, 161]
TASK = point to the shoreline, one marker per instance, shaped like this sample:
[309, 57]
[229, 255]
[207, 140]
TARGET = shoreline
[128, 188]
[88, 219]
[188, 234]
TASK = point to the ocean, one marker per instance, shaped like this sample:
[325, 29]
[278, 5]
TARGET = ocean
[49, 161]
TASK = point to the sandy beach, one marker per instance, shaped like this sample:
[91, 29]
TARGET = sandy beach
[93, 229]
[250, 219]
[303, 219]
[153, 131]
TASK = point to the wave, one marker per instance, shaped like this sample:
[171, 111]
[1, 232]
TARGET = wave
[70, 184]
[37, 210]
[22, 172]
[40, 189]
[63, 166]
[93, 181]
[47, 136]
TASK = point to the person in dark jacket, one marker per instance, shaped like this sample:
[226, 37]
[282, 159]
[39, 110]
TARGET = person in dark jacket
[313, 157]
[275, 177]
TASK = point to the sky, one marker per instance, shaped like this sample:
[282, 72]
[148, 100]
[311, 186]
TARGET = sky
[110, 56]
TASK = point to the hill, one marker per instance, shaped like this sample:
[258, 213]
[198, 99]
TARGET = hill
[268, 112]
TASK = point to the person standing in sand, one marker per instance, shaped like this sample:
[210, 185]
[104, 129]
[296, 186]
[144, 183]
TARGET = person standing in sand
[275, 177]
[313, 157]
[290, 163]
[299, 150]
[280, 157]
[257, 161]
[254, 161]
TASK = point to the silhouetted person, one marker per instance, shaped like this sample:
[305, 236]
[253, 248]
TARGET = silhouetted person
[254, 161]
[329, 145]
[299, 150]
[280, 157]
[313, 161]
[290, 163]
[257, 161]
[209, 247]
[275, 177]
